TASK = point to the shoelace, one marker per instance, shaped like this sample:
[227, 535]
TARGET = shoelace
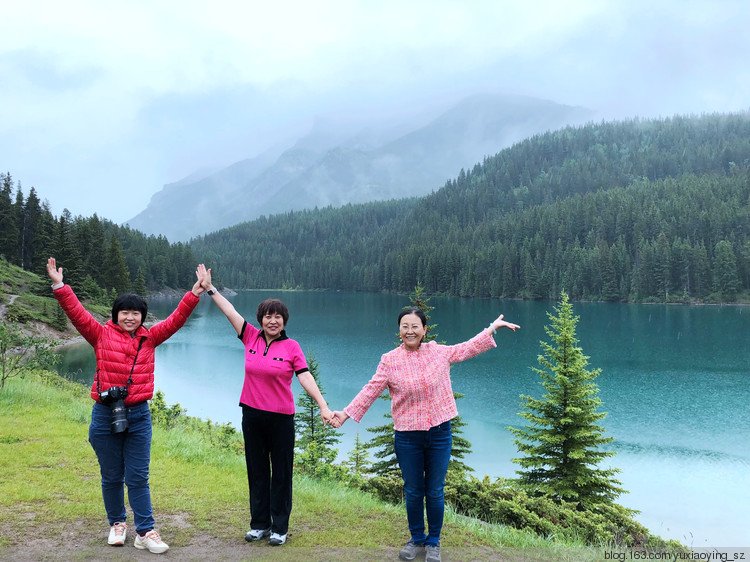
[120, 529]
[153, 535]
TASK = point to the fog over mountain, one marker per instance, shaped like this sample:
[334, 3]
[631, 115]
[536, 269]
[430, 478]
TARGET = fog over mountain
[98, 122]
[340, 163]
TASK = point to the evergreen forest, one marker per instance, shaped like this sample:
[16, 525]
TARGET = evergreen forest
[99, 258]
[634, 211]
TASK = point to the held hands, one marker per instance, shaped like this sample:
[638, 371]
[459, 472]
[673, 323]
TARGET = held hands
[327, 415]
[54, 273]
[500, 323]
[339, 418]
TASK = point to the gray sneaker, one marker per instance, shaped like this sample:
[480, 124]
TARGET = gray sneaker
[277, 539]
[433, 554]
[257, 534]
[410, 550]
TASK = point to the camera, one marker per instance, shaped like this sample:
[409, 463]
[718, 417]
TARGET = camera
[114, 397]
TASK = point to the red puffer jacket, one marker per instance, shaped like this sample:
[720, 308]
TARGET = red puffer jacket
[116, 350]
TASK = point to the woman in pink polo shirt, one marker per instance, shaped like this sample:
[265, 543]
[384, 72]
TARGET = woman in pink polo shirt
[417, 376]
[271, 361]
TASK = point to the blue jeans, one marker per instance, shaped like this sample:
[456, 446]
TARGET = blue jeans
[124, 458]
[423, 457]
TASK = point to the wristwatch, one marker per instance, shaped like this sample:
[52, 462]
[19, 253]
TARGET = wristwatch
[211, 292]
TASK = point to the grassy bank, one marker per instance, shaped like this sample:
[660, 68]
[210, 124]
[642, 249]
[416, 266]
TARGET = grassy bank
[49, 482]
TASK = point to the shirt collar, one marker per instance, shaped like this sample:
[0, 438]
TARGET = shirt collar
[282, 336]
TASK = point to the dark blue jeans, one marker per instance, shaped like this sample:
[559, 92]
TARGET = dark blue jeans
[124, 458]
[423, 457]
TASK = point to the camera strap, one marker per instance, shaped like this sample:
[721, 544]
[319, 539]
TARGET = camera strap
[130, 377]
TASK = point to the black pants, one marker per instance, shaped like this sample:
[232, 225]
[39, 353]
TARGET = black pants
[269, 455]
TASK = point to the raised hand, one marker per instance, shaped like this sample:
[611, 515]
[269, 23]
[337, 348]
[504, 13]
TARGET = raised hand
[500, 323]
[204, 276]
[54, 273]
[198, 286]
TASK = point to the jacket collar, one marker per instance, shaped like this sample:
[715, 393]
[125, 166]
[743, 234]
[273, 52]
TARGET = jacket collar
[141, 332]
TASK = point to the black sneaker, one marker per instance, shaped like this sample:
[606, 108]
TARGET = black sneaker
[410, 550]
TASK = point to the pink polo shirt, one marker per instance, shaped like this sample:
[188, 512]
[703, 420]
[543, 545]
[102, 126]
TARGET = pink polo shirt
[419, 383]
[269, 370]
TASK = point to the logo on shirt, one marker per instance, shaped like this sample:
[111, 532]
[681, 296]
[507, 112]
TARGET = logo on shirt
[277, 359]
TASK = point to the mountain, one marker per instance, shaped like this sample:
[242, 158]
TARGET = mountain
[333, 166]
[653, 211]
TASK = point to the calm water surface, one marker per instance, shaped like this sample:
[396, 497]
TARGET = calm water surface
[674, 382]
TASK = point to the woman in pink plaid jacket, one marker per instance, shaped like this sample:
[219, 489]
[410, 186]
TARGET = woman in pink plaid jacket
[417, 376]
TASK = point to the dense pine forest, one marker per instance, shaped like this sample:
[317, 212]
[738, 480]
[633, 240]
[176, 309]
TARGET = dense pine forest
[639, 210]
[99, 257]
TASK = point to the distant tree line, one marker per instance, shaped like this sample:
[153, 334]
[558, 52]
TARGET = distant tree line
[629, 211]
[99, 257]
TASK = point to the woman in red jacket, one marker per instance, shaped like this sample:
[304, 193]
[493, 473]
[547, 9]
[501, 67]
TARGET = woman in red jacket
[120, 430]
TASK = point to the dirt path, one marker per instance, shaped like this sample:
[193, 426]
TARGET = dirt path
[73, 546]
[79, 542]
[4, 307]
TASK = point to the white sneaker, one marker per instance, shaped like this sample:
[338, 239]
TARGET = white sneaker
[117, 534]
[152, 541]
[277, 539]
[257, 534]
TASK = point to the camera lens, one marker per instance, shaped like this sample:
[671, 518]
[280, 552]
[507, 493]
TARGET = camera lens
[119, 421]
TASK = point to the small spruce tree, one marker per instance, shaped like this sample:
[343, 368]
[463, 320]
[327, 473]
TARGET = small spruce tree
[562, 442]
[383, 446]
[116, 274]
[60, 321]
[461, 446]
[358, 461]
[315, 440]
[382, 442]
[139, 285]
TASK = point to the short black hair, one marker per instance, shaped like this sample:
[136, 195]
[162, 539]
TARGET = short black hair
[421, 315]
[129, 301]
[272, 306]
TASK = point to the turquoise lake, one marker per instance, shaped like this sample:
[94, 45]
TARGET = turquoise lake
[675, 382]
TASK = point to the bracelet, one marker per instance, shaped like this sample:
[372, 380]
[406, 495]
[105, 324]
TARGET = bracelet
[56, 286]
[494, 330]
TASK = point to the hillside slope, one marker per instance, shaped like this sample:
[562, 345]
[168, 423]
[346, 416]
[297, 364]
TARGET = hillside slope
[632, 210]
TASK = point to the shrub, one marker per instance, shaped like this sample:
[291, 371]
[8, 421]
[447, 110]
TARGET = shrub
[500, 502]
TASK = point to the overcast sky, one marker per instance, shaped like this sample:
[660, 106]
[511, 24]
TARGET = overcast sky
[102, 103]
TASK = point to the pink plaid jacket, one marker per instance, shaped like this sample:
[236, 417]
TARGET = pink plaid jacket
[419, 383]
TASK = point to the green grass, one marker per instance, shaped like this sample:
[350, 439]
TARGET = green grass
[15, 279]
[49, 478]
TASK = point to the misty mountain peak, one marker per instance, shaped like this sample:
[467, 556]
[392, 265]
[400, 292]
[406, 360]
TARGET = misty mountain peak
[353, 160]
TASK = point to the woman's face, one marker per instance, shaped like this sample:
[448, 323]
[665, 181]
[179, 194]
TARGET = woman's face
[129, 320]
[272, 324]
[412, 331]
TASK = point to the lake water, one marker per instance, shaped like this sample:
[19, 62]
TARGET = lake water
[675, 383]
